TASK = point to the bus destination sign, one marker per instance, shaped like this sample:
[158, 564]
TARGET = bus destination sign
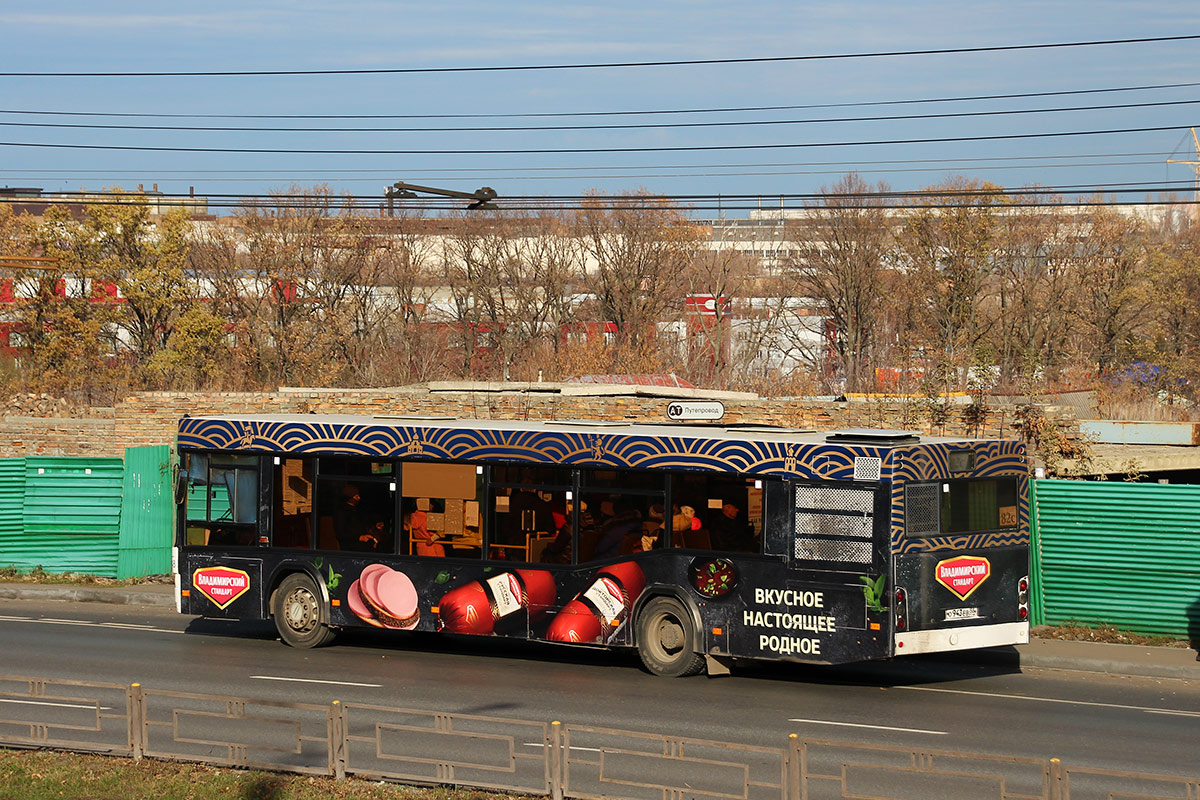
[680, 410]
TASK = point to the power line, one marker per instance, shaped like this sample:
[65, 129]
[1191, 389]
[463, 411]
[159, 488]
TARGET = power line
[611, 126]
[720, 206]
[390, 173]
[569, 114]
[142, 198]
[382, 177]
[604, 65]
[582, 150]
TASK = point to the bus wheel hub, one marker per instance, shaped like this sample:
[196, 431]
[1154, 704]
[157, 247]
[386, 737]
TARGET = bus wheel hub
[670, 635]
[301, 611]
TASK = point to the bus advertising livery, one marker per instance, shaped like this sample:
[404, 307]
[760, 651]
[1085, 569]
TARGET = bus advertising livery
[697, 545]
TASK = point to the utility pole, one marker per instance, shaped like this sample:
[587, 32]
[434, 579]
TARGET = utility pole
[1195, 165]
[480, 198]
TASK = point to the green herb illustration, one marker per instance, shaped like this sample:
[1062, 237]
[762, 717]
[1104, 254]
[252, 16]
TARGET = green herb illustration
[334, 579]
[873, 592]
[442, 577]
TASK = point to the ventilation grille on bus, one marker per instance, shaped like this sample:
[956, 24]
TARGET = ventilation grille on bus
[922, 509]
[834, 550]
[867, 468]
[833, 524]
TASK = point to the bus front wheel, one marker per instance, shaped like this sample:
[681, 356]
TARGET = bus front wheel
[666, 639]
[300, 613]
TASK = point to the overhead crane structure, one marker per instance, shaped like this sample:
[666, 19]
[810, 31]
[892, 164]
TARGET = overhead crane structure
[1195, 165]
[400, 190]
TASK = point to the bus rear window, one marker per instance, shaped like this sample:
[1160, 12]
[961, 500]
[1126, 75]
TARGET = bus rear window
[963, 506]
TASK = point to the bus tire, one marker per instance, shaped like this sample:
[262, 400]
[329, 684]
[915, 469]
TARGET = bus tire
[301, 616]
[666, 639]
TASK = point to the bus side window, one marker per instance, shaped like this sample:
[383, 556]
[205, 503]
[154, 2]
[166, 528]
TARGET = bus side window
[626, 513]
[439, 509]
[528, 513]
[221, 499]
[717, 512]
[292, 523]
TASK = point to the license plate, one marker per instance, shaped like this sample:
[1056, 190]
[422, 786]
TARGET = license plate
[962, 613]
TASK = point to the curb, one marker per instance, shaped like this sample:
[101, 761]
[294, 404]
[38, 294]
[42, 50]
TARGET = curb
[1111, 659]
[87, 594]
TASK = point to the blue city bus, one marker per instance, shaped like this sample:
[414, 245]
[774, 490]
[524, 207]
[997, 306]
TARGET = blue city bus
[697, 545]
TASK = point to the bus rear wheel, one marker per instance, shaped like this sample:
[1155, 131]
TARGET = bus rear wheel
[300, 613]
[666, 639]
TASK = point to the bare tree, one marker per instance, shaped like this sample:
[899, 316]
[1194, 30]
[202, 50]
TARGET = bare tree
[841, 248]
[73, 348]
[1114, 299]
[405, 342]
[638, 249]
[1175, 283]
[946, 242]
[1036, 287]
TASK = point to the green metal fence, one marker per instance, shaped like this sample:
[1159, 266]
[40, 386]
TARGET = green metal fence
[144, 546]
[12, 506]
[97, 516]
[72, 514]
[1123, 554]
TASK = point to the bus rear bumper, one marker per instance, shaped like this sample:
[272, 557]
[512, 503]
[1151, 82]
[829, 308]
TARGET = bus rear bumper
[947, 639]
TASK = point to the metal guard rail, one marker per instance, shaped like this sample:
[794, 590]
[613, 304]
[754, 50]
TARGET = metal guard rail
[547, 759]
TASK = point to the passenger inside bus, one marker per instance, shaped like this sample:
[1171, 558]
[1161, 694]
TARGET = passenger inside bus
[422, 541]
[360, 518]
[351, 524]
[626, 522]
[731, 530]
[650, 536]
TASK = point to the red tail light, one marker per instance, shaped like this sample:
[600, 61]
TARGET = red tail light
[1023, 598]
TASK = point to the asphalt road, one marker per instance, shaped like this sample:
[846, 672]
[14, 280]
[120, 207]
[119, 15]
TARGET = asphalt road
[1087, 720]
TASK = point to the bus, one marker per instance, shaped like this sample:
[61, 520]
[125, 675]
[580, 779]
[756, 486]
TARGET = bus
[697, 545]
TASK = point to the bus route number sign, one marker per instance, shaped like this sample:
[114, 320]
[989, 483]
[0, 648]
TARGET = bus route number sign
[695, 410]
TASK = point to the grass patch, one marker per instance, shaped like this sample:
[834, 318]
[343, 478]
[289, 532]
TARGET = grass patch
[1109, 634]
[40, 575]
[46, 775]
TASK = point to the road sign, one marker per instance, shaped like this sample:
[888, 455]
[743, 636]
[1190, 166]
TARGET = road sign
[695, 410]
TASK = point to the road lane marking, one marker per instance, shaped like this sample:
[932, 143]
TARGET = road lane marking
[573, 747]
[86, 624]
[872, 727]
[56, 705]
[314, 680]
[1147, 709]
[127, 624]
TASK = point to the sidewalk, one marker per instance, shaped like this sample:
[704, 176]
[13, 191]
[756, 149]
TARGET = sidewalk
[1113, 659]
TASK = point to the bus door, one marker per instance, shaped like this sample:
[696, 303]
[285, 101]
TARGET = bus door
[962, 565]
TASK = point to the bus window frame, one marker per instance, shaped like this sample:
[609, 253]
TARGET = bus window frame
[941, 532]
[483, 475]
[213, 458]
[319, 475]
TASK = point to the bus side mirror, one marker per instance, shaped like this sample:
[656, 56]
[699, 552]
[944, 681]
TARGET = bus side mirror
[181, 486]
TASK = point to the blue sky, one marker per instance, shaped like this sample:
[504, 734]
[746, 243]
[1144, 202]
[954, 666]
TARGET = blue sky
[69, 35]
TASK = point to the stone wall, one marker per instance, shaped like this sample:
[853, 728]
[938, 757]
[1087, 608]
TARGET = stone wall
[23, 437]
[150, 418]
